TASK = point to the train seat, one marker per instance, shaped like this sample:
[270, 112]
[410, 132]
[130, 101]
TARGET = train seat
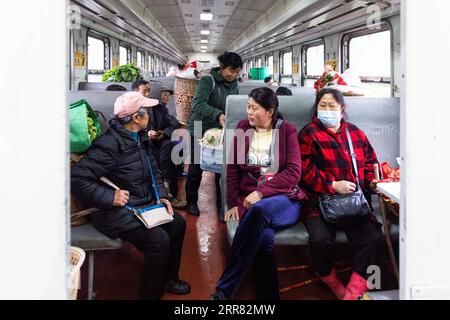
[92, 241]
[378, 117]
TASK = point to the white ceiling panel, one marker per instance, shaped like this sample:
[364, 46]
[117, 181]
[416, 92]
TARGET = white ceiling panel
[230, 19]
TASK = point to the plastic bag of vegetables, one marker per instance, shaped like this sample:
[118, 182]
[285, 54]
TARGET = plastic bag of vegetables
[84, 126]
[211, 150]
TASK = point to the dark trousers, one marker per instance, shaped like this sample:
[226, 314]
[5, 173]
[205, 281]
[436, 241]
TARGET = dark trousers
[194, 179]
[322, 234]
[163, 156]
[162, 151]
[253, 244]
[162, 254]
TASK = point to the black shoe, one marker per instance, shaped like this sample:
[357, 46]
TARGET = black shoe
[192, 208]
[219, 295]
[179, 287]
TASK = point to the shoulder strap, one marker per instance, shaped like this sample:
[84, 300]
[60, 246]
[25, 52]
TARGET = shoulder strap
[213, 80]
[352, 152]
[153, 178]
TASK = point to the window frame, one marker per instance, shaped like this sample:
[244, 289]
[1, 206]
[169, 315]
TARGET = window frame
[244, 68]
[128, 47]
[151, 64]
[281, 65]
[106, 54]
[142, 52]
[157, 66]
[304, 60]
[364, 31]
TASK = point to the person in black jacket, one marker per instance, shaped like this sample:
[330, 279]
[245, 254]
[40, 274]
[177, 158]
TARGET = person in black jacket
[122, 156]
[160, 127]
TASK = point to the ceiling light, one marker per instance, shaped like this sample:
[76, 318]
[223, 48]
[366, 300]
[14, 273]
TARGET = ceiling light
[206, 16]
[205, 32]
[204, 47]
[204, 41]
[203, 51]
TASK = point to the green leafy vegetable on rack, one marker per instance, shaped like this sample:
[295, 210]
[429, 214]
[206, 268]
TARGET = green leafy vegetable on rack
[126, 73]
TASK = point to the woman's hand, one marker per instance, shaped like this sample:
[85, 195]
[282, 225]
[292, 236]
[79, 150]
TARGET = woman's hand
[167, 204]
[222, 120]
[232, 215]
[343, 187]
[252, 198]
[373, 185]
[121, 198]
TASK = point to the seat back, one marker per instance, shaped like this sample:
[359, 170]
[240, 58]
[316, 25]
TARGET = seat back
[155, 86]
[379, 118]
[244, 89]
[102, 101]
[83, 86]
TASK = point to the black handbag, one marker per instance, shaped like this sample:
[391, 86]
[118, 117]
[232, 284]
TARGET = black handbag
[344, 209]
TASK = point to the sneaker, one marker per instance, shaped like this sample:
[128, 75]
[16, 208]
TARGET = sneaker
[167, 187]
[219, 295]
[192, 208]
[178, 287]
[178, 204]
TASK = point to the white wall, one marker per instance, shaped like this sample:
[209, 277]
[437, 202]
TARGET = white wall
[425, 140]
[33, 140]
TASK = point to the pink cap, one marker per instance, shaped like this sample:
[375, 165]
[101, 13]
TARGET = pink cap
[129, 103]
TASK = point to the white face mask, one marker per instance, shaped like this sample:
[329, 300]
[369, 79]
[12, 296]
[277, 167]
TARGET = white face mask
[329, 118]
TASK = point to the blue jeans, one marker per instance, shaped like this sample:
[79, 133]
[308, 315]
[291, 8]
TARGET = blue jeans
[253, 243]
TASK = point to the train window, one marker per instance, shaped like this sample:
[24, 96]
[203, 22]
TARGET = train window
[258, 64]
[286, 67]
[368, 55]
[98, 57]
[125, 55]
[313, 62]
[140, 60]
[269, 64]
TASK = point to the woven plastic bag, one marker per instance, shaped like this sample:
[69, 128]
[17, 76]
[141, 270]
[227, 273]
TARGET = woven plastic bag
[84, 126]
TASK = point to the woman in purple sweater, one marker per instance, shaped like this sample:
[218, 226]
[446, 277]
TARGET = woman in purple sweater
[263, 171]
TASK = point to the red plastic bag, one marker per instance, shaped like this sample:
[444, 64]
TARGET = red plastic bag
[390, 174]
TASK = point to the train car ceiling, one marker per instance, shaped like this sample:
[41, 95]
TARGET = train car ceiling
[244, 26]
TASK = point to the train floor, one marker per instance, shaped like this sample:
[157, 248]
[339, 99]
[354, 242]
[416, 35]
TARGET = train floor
[117, 273]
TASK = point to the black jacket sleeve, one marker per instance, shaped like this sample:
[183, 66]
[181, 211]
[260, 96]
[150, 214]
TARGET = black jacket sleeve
[169, 123]
[85, 183]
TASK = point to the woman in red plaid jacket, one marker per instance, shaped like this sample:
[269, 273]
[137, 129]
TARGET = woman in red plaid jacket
[327, 169]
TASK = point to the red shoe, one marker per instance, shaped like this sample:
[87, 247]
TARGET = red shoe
[335, 285]
[356, 287]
